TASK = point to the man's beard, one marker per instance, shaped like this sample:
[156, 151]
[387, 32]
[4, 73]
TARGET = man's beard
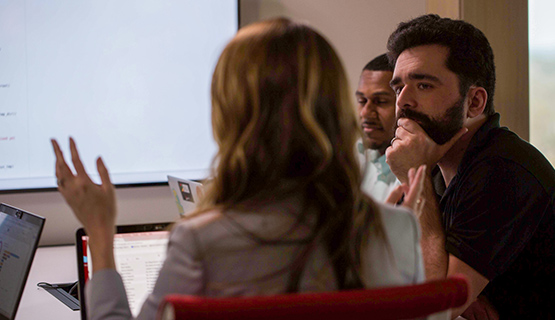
[441, 130]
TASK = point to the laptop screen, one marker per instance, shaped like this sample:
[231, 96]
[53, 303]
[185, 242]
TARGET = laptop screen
[19, 235]
[139, 252]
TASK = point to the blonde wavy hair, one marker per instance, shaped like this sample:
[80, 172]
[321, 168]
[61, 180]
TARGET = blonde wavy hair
[284, 122]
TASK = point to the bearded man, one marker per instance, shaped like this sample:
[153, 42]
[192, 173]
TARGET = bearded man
[495, 222]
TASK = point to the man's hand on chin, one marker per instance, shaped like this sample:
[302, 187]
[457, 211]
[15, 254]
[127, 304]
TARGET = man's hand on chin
[412, 147]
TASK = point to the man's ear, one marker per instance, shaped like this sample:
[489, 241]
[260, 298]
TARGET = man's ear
[477, 98]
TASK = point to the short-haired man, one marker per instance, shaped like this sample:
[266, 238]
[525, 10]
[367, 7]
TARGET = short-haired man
[495, 222]
[376, 107]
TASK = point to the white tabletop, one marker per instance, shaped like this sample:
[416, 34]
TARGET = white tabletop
[52, 265]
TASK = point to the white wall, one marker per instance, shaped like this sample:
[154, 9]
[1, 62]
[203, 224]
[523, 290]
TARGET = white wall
[358, 29]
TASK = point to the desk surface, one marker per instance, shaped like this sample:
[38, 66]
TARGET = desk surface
[52, 265]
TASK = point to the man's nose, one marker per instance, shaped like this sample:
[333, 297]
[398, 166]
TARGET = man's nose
[369, 110]
[405, 98]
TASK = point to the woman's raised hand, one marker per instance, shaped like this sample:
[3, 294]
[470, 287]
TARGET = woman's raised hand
[93, 205]
[412, 191]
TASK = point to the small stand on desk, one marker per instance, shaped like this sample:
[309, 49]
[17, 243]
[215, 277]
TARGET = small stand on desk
[65, 292]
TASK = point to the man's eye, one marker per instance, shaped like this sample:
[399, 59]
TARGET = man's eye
[397, 90]
[380, 101]
[362, 101]
[424, 86]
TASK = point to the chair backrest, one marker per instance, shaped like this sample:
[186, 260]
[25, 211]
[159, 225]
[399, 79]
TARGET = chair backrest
[405, 302]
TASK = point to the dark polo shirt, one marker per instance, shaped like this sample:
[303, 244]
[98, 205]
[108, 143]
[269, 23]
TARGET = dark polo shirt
[499, 218]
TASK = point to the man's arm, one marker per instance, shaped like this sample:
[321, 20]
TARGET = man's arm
[438, 263]
[436, 259]
[411, 148]
[476, 283]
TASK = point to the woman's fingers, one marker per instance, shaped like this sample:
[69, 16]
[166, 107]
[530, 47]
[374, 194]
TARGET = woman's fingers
[103, 172]
[62, 169]
[411, 175]
[413, 190]
[79, 167]
[93, 205]
[64, 174]
[58, 153]
[416, 184]
[395, 195]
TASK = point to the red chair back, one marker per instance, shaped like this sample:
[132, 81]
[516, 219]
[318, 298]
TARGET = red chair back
[405, 302]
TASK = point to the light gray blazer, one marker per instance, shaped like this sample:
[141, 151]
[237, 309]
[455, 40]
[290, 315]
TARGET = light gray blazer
[210, 255]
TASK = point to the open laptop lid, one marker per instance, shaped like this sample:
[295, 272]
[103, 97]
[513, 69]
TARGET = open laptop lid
[19, 236]
[186, 194]
[139, 251]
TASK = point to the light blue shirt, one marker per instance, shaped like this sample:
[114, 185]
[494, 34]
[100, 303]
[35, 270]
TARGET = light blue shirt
[378, 180]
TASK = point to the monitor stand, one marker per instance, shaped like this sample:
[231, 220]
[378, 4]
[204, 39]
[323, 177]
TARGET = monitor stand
[65, 292]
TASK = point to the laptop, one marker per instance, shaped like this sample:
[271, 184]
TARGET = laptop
[186, 194]
[19, 236]
[139, 252]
